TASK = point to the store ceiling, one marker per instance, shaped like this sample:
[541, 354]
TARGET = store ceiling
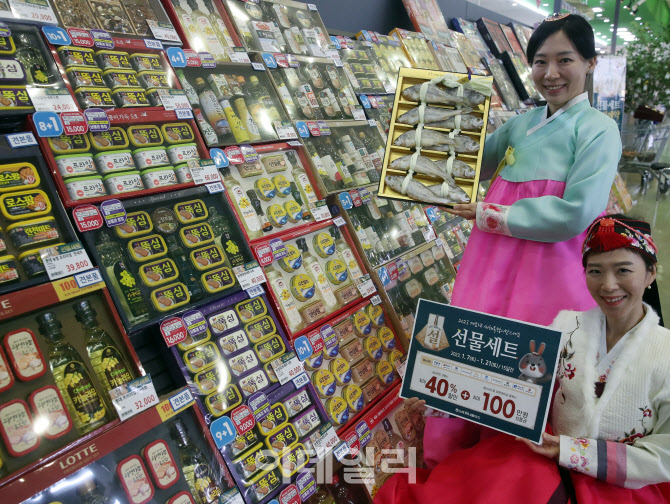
[654, 13]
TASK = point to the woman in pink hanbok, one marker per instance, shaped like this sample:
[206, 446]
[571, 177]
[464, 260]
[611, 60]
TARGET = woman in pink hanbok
[556, 165]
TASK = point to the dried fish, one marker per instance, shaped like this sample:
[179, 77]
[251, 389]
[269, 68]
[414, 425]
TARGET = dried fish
[431, 114]
[423, 165]
[458, 170]
[468, 122]
[428, 194]
[464, 145]
[428, 138]
[445, 96]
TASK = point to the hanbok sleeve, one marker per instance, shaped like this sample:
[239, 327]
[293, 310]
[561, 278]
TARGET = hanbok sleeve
[645, 462]
[554, 219]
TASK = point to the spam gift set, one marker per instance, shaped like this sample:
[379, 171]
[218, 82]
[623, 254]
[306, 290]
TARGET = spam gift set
[127, 158]
[171, 253]
[31, 217]
[115, 79]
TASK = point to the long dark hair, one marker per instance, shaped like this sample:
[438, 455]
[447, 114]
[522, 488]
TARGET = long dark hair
[576, 28]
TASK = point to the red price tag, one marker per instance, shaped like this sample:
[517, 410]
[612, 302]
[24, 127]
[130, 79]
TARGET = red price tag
[354, 444]
[281, 60]
[316, 340]
[74, 123]
[80, 37]
[192, 58]
[264, 255]
[174, 331]
[243, 419]
[290, 495]
[356, 198]
[313, 128]
[234, 155]
[87, 218]
[392, 268]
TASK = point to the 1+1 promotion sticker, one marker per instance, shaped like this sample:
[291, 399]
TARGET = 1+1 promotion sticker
[491, 370]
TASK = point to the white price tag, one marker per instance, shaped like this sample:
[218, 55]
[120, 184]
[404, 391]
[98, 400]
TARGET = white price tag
[375, 300]
[181, 400]
[311, 6]
[88, 278]
[17, 140]
[163, 31]
[51, 100]
[301, 380]
[439, 242]
[255, 291]
[285, 130]
[134, 397]
[33, 10]
[319, 211]
[203, 174]
[238, 56]
[372, 123]
[153, 44]
[341, 451]
[365, 286]
[324, 442]
[215, 187]
[65, 260]
[359, 114]
[287, 367]
[173, 99]
[258, 66]
[294, 143]
[428, 233]
[249, 275]
[339, 221]
[184, 113]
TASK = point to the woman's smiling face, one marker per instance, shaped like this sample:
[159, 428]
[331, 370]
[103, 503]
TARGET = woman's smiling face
[559, 71]
[616, 281]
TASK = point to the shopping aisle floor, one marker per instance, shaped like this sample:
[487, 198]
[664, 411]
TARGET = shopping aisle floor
[658, 214]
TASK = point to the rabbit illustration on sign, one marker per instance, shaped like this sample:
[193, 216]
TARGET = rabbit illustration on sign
[532, 365]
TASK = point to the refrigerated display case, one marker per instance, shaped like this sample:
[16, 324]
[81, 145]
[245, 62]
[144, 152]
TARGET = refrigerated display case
[274, 194]
[311, 276]
[353, 363]
[174, 252]
[313, 88]
[349, 156]
[163, 454]
[142, 153]
[233, 104]
[63, 350]
[416, 48]
[279, 27]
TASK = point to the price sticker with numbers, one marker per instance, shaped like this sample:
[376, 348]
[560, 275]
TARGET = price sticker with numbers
[243, 419]
[359, 114]
[65, 260]
[74, 123]
[37, 11]
[428, 233]
[204, 172]
[466, 363]
[249, 275]
[87, 218]
[134, 397]
[238, 55]
[320, 211]
[285, 130]
[287, 367]
[51, 100]
[366, 286]
[173, 99]
[163, 31]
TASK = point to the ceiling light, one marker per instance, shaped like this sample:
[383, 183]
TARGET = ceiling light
[638, 18]
[597, 9]
[545, 5]
[513, 4]
[598, 33]
[606, 20]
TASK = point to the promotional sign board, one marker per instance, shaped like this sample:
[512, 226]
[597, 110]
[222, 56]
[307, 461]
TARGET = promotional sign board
[490, 370]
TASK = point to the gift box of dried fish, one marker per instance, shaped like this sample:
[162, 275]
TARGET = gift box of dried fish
[436, 137]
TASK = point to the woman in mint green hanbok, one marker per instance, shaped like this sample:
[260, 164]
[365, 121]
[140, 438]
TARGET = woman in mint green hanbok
[558, 164]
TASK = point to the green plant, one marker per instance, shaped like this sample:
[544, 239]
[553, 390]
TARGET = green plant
[647, 72]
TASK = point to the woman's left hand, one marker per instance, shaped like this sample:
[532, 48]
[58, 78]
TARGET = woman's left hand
[467, 210]
[550, 447]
